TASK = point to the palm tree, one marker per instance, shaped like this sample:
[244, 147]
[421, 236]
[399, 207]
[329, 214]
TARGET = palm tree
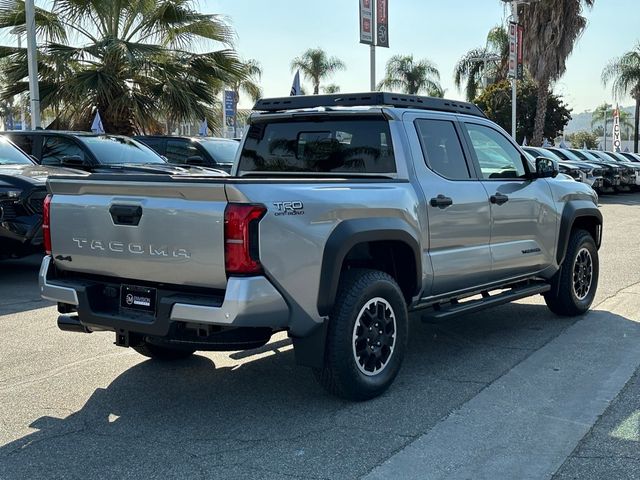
[316, 66]
[605, 112]
[551, 28]
[483, 66]
[625, 74]
[412, 77]
[248, 84]
[135, 61]
[333, 88]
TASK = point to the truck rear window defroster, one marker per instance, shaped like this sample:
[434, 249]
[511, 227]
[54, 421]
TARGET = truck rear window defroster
[357, 146]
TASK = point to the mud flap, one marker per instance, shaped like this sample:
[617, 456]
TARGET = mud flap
[309, 350]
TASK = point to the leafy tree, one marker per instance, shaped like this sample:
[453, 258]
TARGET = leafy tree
[551, 28]
[495, 101]
[582, 138]
[133, 60]
[470, 69]
[316, 66]
[405, 74]
[624, 73]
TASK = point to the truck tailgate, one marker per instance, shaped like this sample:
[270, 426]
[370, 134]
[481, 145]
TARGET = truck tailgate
[158, 231]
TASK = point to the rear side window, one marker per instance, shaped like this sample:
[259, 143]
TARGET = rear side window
[178, 151]
[333, 146]
[442, 149]
[56, 148]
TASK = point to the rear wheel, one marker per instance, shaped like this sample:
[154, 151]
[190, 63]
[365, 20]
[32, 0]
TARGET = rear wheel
[163, 353]
[367, 336]
[574, 287]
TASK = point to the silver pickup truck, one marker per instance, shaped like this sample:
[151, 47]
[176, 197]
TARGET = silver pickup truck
[343, 214]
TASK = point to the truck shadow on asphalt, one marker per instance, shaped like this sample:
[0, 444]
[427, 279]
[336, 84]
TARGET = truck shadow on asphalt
[19, 291]
[266, 417]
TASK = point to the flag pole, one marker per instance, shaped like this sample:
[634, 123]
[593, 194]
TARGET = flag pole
[372, 47]
[32, 63]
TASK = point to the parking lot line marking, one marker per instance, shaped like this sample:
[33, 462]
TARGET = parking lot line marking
[528, 422]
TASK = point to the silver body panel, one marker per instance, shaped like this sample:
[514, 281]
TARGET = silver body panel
[179, 239]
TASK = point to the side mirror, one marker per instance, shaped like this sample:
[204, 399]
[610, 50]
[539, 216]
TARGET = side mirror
[195, 160]
[546, 168]
[73, 161]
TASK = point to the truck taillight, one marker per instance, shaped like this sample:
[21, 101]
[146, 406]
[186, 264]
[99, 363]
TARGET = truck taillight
[241, 249]
[46, 220]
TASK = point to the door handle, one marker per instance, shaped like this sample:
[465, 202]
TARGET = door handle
[126, 214]
[499, 198]
[441, 201]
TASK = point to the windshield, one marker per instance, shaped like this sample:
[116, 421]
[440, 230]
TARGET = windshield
[222, 151]
[10, 155]
[112, 150]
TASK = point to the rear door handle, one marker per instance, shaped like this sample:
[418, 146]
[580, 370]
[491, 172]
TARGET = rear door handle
[499, 198]
[441, 201]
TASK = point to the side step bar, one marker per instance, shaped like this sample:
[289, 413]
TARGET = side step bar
[447, 310]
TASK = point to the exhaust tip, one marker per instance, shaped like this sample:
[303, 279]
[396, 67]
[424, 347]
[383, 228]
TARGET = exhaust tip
[71, 323]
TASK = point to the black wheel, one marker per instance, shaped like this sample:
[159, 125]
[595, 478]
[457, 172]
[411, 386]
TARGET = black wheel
[574, 287]
[367, 336]
[163, 353]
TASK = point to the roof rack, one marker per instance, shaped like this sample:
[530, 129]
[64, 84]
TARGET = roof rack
[367, 99]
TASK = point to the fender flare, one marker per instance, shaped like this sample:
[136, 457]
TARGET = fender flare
[349, 233]
[571, 212]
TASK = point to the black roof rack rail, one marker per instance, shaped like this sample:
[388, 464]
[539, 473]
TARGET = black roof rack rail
[367, 99]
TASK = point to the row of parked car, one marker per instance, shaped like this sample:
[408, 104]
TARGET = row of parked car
[27, 158]
[605, 172]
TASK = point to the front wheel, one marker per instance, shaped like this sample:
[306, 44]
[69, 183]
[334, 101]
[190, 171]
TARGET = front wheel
[574, 287]
[367, 336]
[166, 354]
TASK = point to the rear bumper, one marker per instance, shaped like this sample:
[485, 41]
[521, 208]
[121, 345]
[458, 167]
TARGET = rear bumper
[247, 302]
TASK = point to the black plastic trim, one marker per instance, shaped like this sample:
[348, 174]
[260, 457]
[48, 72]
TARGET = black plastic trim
[573, 210]
[367, 99]
[350, 233]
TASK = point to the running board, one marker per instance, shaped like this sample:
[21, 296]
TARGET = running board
[450, 309]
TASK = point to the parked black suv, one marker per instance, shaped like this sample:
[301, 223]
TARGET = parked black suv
[206, 151]
[22, 191]
[96, 153]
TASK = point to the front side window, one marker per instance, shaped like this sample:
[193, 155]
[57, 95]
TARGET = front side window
[55, 149]
[497, 156]
[357, 145]
[442, 149]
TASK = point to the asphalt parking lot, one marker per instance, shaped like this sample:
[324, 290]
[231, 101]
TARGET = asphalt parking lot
[513, 392]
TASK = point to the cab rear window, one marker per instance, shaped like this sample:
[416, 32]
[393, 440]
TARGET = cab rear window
[357, 146]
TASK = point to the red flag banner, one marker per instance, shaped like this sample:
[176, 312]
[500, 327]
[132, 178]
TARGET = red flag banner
[366, 22]
[382, 23]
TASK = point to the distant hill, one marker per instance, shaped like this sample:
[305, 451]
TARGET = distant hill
[582, 121]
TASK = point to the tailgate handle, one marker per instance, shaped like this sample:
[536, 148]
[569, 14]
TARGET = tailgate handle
[126, 214]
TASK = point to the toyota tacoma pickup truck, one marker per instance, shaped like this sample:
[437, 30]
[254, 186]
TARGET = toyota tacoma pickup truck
[343, 214]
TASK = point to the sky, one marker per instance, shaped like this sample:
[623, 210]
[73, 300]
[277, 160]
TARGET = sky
[275, 31]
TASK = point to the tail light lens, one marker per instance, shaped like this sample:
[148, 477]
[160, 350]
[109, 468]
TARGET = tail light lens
[241, 247]
[46, 221]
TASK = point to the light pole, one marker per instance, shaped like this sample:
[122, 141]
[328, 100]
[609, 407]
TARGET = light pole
[32, 62]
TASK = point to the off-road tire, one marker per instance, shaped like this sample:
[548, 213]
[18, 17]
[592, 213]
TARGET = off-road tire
[165, 354]
[341, 374]
[562, 298]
